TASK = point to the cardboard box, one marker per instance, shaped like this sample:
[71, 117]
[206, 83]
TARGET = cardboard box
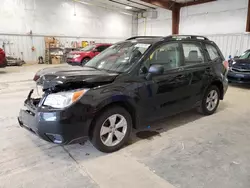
[52, 45]
[46, 45]
[51, 42]
[56, 59]
[49, 39]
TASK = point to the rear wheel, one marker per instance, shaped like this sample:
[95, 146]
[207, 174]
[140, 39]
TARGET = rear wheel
[84, 61]
[111, 129]
[210, 101]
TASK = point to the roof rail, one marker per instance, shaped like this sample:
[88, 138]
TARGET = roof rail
[144, 37]
[187, 36]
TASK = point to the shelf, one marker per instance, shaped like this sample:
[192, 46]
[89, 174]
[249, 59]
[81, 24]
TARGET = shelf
[54, 48]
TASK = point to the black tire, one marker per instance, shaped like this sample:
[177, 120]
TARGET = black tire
[84, 61]
[95, 136]
[203, 109]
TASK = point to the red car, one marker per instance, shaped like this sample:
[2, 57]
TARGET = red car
[3, 61]
[82, 56]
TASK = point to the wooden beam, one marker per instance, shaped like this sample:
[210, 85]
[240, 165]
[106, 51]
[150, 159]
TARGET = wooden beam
[248, 18]
[169, 4]
[175, 20]
[197, 2]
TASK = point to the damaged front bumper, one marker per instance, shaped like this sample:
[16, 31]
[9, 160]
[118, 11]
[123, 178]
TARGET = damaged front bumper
[60, 126]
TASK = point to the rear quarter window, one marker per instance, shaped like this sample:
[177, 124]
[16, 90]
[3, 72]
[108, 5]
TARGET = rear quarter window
[212, 52]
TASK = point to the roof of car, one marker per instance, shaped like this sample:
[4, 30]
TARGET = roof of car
[152, 39]
[102, 44]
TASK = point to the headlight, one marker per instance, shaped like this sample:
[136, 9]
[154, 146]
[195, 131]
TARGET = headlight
[234, 62]
[63, 99]
[76, 56]
[70, 56]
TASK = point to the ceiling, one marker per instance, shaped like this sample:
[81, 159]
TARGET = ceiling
[123, 5]
[131, 6]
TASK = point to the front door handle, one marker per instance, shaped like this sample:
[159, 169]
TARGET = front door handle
[208, 69]
[181, 69]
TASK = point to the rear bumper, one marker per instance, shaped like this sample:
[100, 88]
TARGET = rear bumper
[238, 77]
[15, 62]
[56, 126]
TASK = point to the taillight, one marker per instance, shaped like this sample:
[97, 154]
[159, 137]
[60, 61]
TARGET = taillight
[36, 77]
[226, 64]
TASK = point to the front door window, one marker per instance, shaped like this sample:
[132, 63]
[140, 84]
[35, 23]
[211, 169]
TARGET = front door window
[167, 55]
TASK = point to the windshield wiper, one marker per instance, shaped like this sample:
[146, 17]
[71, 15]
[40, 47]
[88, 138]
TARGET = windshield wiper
[112, 71]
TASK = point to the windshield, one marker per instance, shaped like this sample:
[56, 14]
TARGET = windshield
[245, 55]
[119, 57]
[88, 48]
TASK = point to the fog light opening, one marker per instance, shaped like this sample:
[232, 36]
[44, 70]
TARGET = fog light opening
[49, 116]
[55, 138]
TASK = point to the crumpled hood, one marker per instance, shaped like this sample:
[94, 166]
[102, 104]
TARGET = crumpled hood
[64, 77]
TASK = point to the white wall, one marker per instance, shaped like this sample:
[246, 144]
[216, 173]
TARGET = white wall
[70, 21]
[56, 17]
[162, 26]
[223, 21]
[231, 44]
[219, 17]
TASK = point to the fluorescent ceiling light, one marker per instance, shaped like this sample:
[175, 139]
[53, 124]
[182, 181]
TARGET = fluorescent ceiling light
[128, 8]
[126, 13]
[83, 2]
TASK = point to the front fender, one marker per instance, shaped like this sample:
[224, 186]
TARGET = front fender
[119, 98]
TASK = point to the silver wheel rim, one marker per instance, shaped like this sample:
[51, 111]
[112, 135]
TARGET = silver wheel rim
[113, 130]
[212, 100]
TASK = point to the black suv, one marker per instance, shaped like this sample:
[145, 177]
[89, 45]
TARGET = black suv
[130, 84]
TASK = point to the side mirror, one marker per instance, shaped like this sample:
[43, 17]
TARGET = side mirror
[155, 70]
[236, 57]
[95, 50]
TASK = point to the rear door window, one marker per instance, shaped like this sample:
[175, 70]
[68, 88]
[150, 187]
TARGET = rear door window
[193, 53]
[212, 52]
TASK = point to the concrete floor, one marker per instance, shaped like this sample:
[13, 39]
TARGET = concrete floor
[187, 151]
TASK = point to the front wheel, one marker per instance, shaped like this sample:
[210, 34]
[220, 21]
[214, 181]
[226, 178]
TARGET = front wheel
[84, 61]
[111, 129]
[210, 101]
